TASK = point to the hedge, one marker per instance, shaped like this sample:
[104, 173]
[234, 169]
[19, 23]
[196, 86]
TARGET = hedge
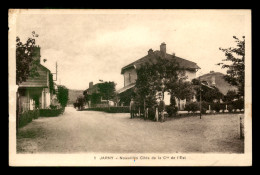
[27, 116]
[192, 107]
[51, 112]
[118, 109]
[171, 110]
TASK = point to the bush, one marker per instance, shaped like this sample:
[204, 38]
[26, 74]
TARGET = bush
[51, 112]
[204, 106]
[230, 107]
[171, 110]
[27, 116]
[151, 113]
[192, 107]
[53, 106]
[239, 104]
[216, 106]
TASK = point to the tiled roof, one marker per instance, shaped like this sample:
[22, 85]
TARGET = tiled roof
[152, 59]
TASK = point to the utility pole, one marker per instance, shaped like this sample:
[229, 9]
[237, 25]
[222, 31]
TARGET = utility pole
[56, 72]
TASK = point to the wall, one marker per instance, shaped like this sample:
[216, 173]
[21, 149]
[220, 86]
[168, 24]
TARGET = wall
[133, 76]
[191, 74]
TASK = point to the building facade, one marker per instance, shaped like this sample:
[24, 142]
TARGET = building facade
[130, 75]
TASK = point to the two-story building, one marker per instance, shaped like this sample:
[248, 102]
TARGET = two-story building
[35, 92]
[130, 75]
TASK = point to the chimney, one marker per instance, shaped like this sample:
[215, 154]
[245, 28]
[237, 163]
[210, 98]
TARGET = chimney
[163, 49]
[150, 51]
[36, 54]
[90, 84]
[211, 72]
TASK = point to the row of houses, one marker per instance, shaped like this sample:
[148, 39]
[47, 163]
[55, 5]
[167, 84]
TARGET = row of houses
[130, 76]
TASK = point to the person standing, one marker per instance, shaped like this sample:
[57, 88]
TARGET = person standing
[161, 110]
[132, 108]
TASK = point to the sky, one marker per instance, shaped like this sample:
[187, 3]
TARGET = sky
[93, 47]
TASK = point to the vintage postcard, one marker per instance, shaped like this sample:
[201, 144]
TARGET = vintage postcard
[129, 87]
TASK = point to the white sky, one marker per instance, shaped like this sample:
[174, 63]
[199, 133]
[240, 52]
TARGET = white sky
[89, 47]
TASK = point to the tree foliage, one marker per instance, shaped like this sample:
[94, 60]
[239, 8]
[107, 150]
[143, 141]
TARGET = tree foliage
[51, 83]
[26, 66]
[107, 90]
[182, 90]
[80, 102]
[63, 95]
[235, 64]
[155, 78]
[230, 96]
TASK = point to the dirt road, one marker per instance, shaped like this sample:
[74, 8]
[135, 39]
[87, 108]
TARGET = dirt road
[90, 131]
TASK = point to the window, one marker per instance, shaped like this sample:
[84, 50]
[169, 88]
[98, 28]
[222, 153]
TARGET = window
[130, 77]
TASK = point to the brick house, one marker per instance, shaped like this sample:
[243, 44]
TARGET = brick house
[130, 75]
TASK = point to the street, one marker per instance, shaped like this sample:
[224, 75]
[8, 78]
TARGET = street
[91, 131]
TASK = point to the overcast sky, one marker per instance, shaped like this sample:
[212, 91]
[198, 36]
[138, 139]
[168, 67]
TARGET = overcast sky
[89, 47]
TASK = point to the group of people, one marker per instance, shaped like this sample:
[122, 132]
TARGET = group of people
[159, 112]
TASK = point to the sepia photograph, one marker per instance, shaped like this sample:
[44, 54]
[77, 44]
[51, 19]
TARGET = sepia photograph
[129, 87]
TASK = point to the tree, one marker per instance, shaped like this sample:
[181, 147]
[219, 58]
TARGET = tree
[212, 94]
[144, 88]
[51, 83]
[155, 78]
[86, 96]
[182, 90]
[235, 63]
[80, 102]
[107, 90]
[63, 95]
[230, 96]
[26, 65]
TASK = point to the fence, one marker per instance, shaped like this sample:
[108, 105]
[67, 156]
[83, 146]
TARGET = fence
[118, 109]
